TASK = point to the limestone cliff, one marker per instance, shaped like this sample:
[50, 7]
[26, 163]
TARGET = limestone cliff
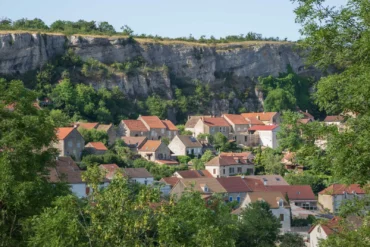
[223, 66]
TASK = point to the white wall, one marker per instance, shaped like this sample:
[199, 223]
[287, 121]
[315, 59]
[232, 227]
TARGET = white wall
[79, 189]
[268, 138]
[286, 212]
[316, 235]
[142, 180]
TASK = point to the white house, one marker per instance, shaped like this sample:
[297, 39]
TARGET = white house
[185, 145]
[267, 134]
[139, 175]
[322, 231]
[278, 205]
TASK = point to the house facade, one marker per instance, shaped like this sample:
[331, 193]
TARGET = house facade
[212, 125]
[134, 142]
[300, 195]
[332, 197]
[155, 150]
[192, 121]
[70, 142]
[96, 148]
[230, 164]
[239, 130]
[186, 145]
[110, 130]
[267, 134]
[278, 205]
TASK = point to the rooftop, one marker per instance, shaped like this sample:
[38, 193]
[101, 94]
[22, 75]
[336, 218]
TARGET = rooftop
[170, 180]
[263, 116]
[104, 127]
[270, 179]
[88, 126]
[334, 119]
[189, 141]
[236, 119]
[199, 183]
[150, 146]
[192, 121]
[153, 122]
[137, 173]
[228, 161]
[338, 189]
[194, 174]
[63, 132]
[111, 169]
[135, 125]
[136, 141]
[169, 125]
[294, 192]
[263, 127]
[271, 197]
[97, 145]
[65, 170]
[215, 121]
[234, 184]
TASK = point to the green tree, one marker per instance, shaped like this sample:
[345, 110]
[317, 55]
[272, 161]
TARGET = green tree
[207, 156]
[271, 162]
[278, 100]
[291, 240]
[25, 137]
[59, 118]
[94, 135]
[156, 106]
[258, 226]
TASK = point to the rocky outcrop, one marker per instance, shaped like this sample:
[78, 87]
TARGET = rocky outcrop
[212, 64]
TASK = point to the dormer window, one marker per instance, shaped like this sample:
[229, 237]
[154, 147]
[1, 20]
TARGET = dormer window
[281, 203]
[204, 188]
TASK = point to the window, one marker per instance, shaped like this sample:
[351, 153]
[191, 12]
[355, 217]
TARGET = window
[318, 229]
[230, 198]
[281, 203]
[205, 189]
[281, 217]
[223, 171]
[250, 172]
[160, 156]
[70, 144]
[231, 169]
[220, 128]
[238, 198]
[78, 144]
[87, 190]
[146, 182]
[245, 138]
[162, 130]
[239, 170]
[214, 171]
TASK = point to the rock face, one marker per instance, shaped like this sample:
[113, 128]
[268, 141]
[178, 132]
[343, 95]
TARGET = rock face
[210, 64]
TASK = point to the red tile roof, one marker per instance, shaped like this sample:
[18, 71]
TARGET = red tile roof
[236, 119]
[170, 180]
[153, 122]
[150, 146]
[334, 119]
[111, 169]
[169, 125]
[240, 155]
[263, 127]
[254, 184]
[328, 227]
[263, 116]
[135, 125]
[97, 146]
[215, 121]
[294, 192]
[62, 133]
[254, 121]
[88, 126]
[338, 189]
[234, 184]
[228, 161]
[136, 141]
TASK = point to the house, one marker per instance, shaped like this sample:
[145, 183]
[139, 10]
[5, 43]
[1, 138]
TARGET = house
[212, 125]
[110, 170]
[304, 120]
[306, 115]
[171, 129]
[192, 121]
[155, 150]
[229, 164]
[332, 197]
[300, 195]
[66, 170]
[265, 117]
[206, 186]
[168, 183]
[322, 231]
[239, 129]
[186, 145]
[70, 142]
[278, 205]
[192, 174]
[270, 180]
[334, 120]
[139, 175]
[290, 163]
[267, 134]
[88, 126]
[134, 142]
[254, 184]
[133, 128]
[110, 130]
[235, 187]
[96, 148]
[158, 128]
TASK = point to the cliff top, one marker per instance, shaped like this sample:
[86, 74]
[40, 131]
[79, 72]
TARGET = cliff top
[160, 41]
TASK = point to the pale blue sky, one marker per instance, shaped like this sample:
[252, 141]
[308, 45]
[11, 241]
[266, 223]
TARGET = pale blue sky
[171, 18]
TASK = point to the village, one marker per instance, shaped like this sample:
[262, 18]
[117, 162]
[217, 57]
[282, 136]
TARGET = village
[230, 174]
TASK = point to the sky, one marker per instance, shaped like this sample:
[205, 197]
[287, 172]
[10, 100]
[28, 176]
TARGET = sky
[170, 18]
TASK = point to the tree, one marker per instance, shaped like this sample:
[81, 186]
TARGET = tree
[291, 240]
[182, 130]
[157, 107]
[197, 164]
[207, 156]
[94, 135]
[59, 118]
[25, 156]
[126, 30]
[258, 226]
[105, 27]
[272, 162]
[278, 100]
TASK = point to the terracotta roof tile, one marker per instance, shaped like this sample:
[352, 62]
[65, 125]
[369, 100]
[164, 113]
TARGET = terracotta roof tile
[236, 119]
[263, 116]
[97, 145]
[150, 146]
[294, 192]
[215, 121]
[194, 174]
[192, 121]
[65, 170]
[111, 169]
[254, 121]
[62, 133]
[234, 184]
[88, 126]
[169, 125]
[338, 189]
[254, 184]
[229, 160]
[271, 197]
[153, 122]
[263, 127]
[213, 185]
[135, 125]
[334, 119]
[170, 180]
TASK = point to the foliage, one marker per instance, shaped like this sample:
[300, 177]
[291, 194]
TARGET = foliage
[278, 100]
[197, 164]
[271, 162]
[222, 144]
[291, 240]
[258, 226]
[157, 170]
[93, 135]
[183, 159]
[317, 182]
[182, 130]
[109, 157]
[156, 106]
[209, 137]
[207, 156]
[59, 118]
[25, 137]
